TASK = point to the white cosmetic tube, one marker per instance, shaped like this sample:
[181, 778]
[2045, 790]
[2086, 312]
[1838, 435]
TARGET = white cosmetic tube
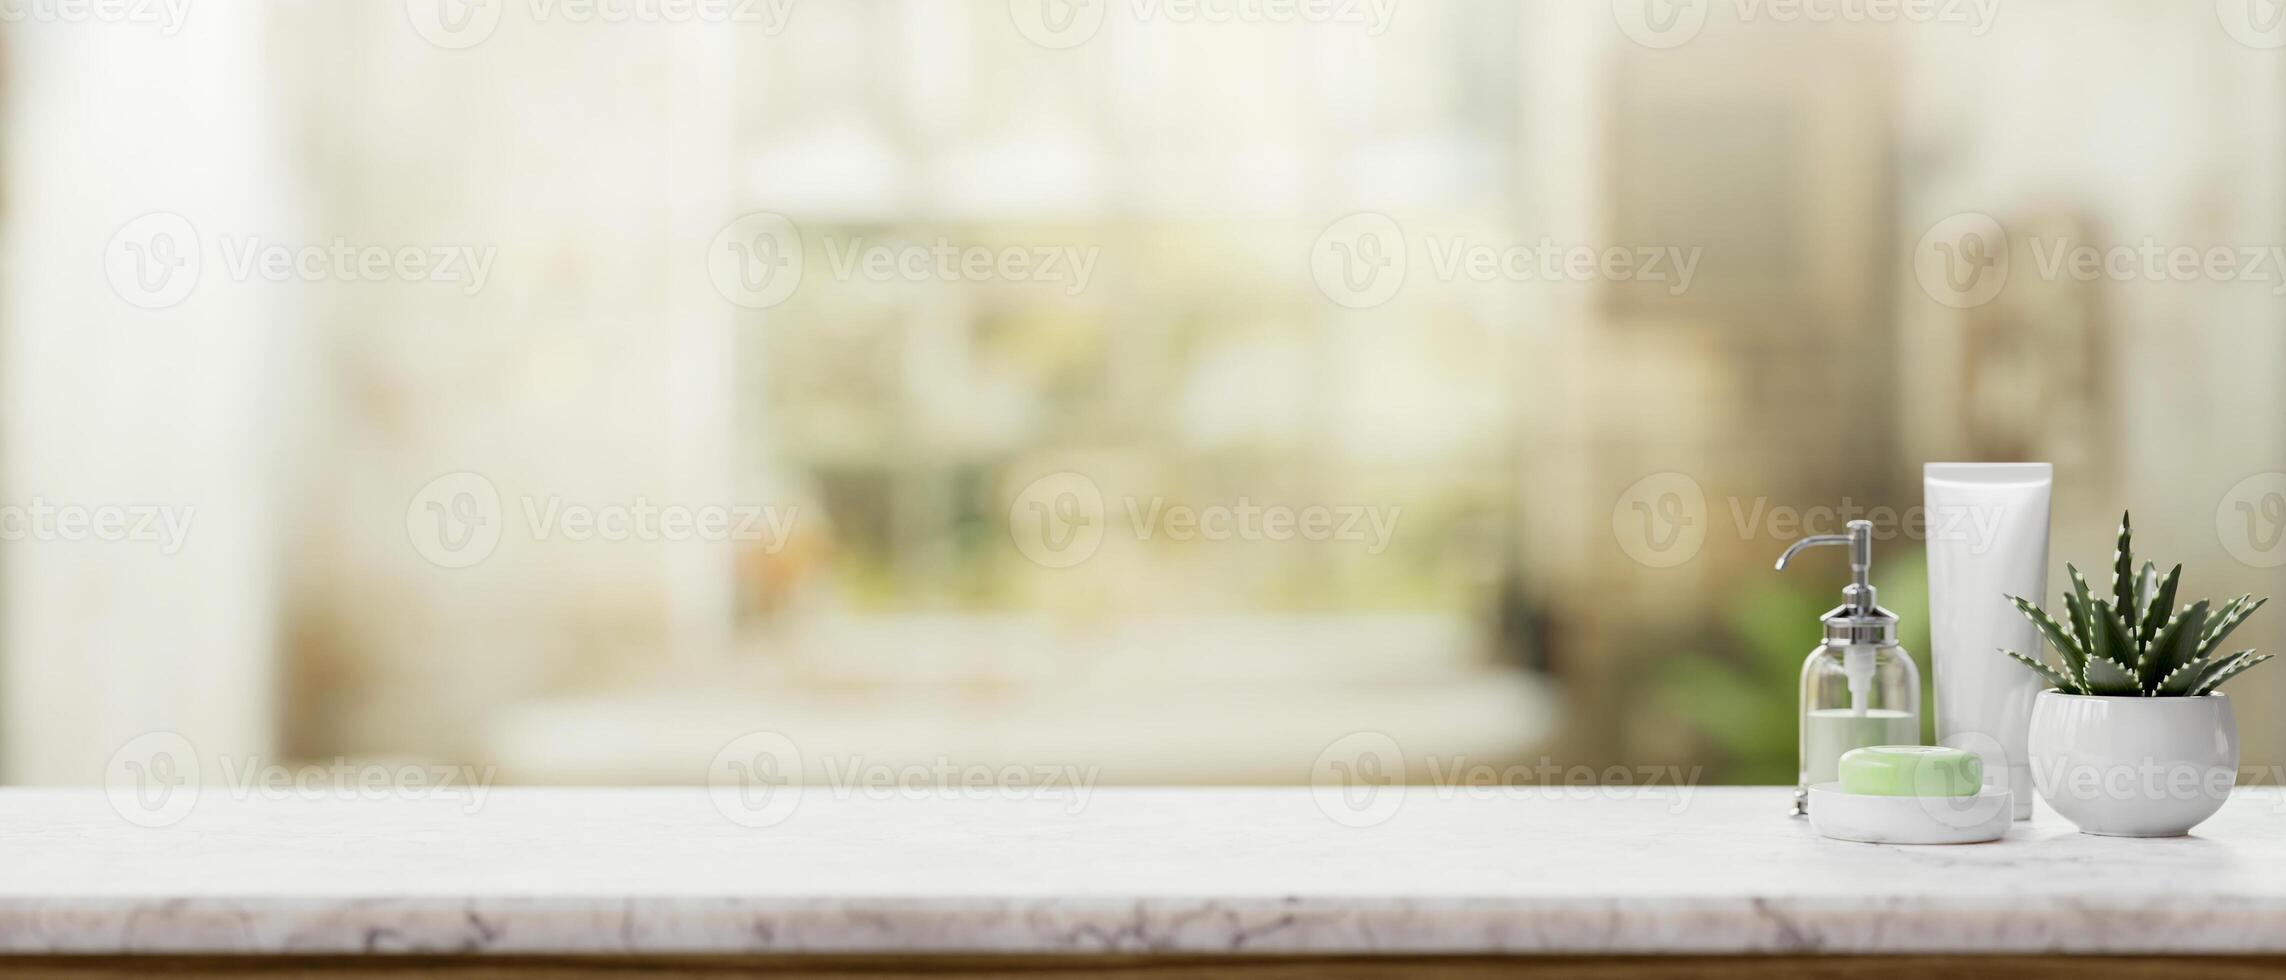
[1988, 540]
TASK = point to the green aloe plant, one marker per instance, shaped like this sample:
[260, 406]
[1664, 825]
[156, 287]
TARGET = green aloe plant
[2130, 644]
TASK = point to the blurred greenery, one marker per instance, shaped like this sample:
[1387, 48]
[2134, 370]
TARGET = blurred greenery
[1740, 695]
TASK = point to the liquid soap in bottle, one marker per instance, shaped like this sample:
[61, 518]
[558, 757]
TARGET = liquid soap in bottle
[1859, 687]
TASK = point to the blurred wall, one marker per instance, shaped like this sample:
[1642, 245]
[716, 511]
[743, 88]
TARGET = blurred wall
[146, 381]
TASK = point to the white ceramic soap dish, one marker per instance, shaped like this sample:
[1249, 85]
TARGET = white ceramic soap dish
[1911, 819]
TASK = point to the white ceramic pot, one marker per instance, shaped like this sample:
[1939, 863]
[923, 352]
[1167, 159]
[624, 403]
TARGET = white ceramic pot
[2134, 767]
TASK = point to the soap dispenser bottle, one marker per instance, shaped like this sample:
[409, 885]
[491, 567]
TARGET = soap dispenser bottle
[1859, 687]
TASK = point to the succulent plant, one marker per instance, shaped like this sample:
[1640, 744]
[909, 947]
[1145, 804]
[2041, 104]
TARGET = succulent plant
[2130, 644]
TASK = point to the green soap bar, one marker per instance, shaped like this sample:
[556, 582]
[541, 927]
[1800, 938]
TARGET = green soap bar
[1911, 770]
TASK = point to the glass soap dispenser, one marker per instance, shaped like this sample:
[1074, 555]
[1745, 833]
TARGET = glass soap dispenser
[1859, 687]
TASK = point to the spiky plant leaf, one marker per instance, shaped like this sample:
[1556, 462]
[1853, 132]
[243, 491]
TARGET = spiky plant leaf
[2219, 628]
[2109, 678]
[2083, 620]
[2112, 641]
[2135, 642]
[2181, 681]
[2216, 665]
[2123, 578]
[2238, 666]
[2111, 665]
[2076, 660]
[2222, 614]
[2176, 644]
[2158, 602]
[2047, 673]
[2049, 628]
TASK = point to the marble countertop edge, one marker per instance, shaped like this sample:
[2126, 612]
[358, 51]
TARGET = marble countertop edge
[1270, 926]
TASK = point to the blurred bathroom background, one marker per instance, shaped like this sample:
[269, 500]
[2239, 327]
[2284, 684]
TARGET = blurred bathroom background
[1162, 386]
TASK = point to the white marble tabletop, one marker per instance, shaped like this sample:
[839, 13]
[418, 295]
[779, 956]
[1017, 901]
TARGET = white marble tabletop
[1709, 870]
